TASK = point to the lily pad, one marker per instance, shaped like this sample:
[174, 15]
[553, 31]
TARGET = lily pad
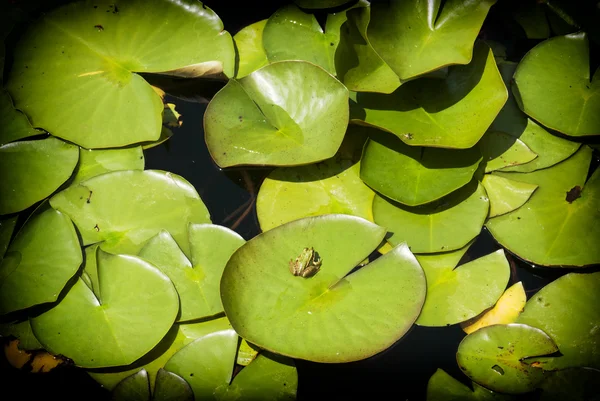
[251, 53]
[22, 331]
[134, 308]
[416, 37]
[42, 258]
[554, 86]
[456, 294]
[415, 175]
[124, 209]
[15, 125]
[453, 113]
[567, 310]
[287, 113]
[96, 162]
[97, 49]
[329, 317]
[7, 227]
[505, 194]
[558, 226]
[533, 20]
[31, 170]
[503, 150]
[443, 387]
[571, 384]
[441, 226]
[494, 357]
[169, 386]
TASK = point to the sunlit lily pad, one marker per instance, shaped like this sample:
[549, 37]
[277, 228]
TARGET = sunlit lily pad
[455, 294]
[43, 257]
[96, 162]
[567, 309]
[286, 113]
[558, 225]
[453, 113]
[443, 387]
[251, 53]
[415, 175]
[325, 317]
[416, 37]
[444, 225]
[553, 86]
[97, 47]
[134, 308]
[7, 227]
[14, 123]
[494, 357]
[31, 170]
[124, 209]
[503, 150]
[505, 194]
[169, 386]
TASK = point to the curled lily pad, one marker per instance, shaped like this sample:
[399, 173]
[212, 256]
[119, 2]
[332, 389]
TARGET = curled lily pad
[14, 123]
[558, 225]
[134, 308]
[97, 48]
[43, 257]
[251, 53]
[415, 175]
[124, 209]
[505, 194]
[326, 317]
[96, 162]
[502, 150]
[494, 357]
[287, 113]
[554, 86]
[444, 225]
[443, 387]
[31, 170]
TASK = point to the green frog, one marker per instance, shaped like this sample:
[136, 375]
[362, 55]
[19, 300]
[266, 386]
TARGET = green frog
[307, 264]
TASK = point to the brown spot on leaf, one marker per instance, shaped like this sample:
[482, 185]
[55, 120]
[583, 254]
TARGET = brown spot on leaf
[99, 28]
[97, 228]
[573, 194]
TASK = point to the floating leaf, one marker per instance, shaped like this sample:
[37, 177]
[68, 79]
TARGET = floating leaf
[43, 257]
[552, 230]
[7, 227]
[502, 150]
[124, 209]
[97, 49]
[246, 353]
[14, 123]
[441, 226]
[554, 87]
[494, 357]
[287, 113]
[22, 331]
[443, 387]
[571, 384]
[533, 20]
[505, 194]
[31, 170]
[96, 162]
[249, 44]
[171, 387]
[133, 388]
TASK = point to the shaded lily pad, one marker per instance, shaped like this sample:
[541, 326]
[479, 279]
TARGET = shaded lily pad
[14, 123]
[251, 53]
[567, 310]
[494, 357]
[97, 49]
[22, 331]
[286, 113]
[169, 386]
[571, 384]
[96, 162]
[505, 194]
[443, 387]
[503, 150]
[453, 113]
[553, 228]
[124, 209]
[31, 170]
[444, 225]
[415, 175]
[7, 227]
[554, 86]
[42, 258]
[133, 310]
[533, 20]
[327, 317]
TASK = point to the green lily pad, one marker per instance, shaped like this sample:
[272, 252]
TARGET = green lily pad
[493, 356]
[133, 388]
[558, 226]
[567, 310]
[42, 258]
[443, 387]
[287, 113]
[571, 384]
[7, 227]
[124, 209]
[554, 87]
[453, 113]
[169, 387]
[456, 294]
[503, 150]
[441, 226]
[15, 125]
[31, 170]
[96, 162]
[416, 37]
[505, 194]
[415, 175]
[97, 49]
[134, 308]
[22, 331]
[249, 44]
[329, 317]
[246, 353]
[533, 20]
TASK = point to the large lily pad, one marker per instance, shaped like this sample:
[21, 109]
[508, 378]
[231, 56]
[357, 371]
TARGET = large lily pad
[251, 53]
[494, 357]
[443, 387]
[415, 175]
[441, 226]
[42, 258]
[453, 113]
[124, 209]
[96, 162]
[558, 226]
[505, 194]
[554, 86]
[134, 308]
[329, 317]
[14, 123]
[31, 170]
[97, 47]
[286, 113]
[416, 37]
[567, 309]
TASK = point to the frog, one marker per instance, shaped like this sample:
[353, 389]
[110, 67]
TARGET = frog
[307, 264]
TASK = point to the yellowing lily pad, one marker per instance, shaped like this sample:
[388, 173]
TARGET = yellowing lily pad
[96, 162]
[251, 53]
[505, 194]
